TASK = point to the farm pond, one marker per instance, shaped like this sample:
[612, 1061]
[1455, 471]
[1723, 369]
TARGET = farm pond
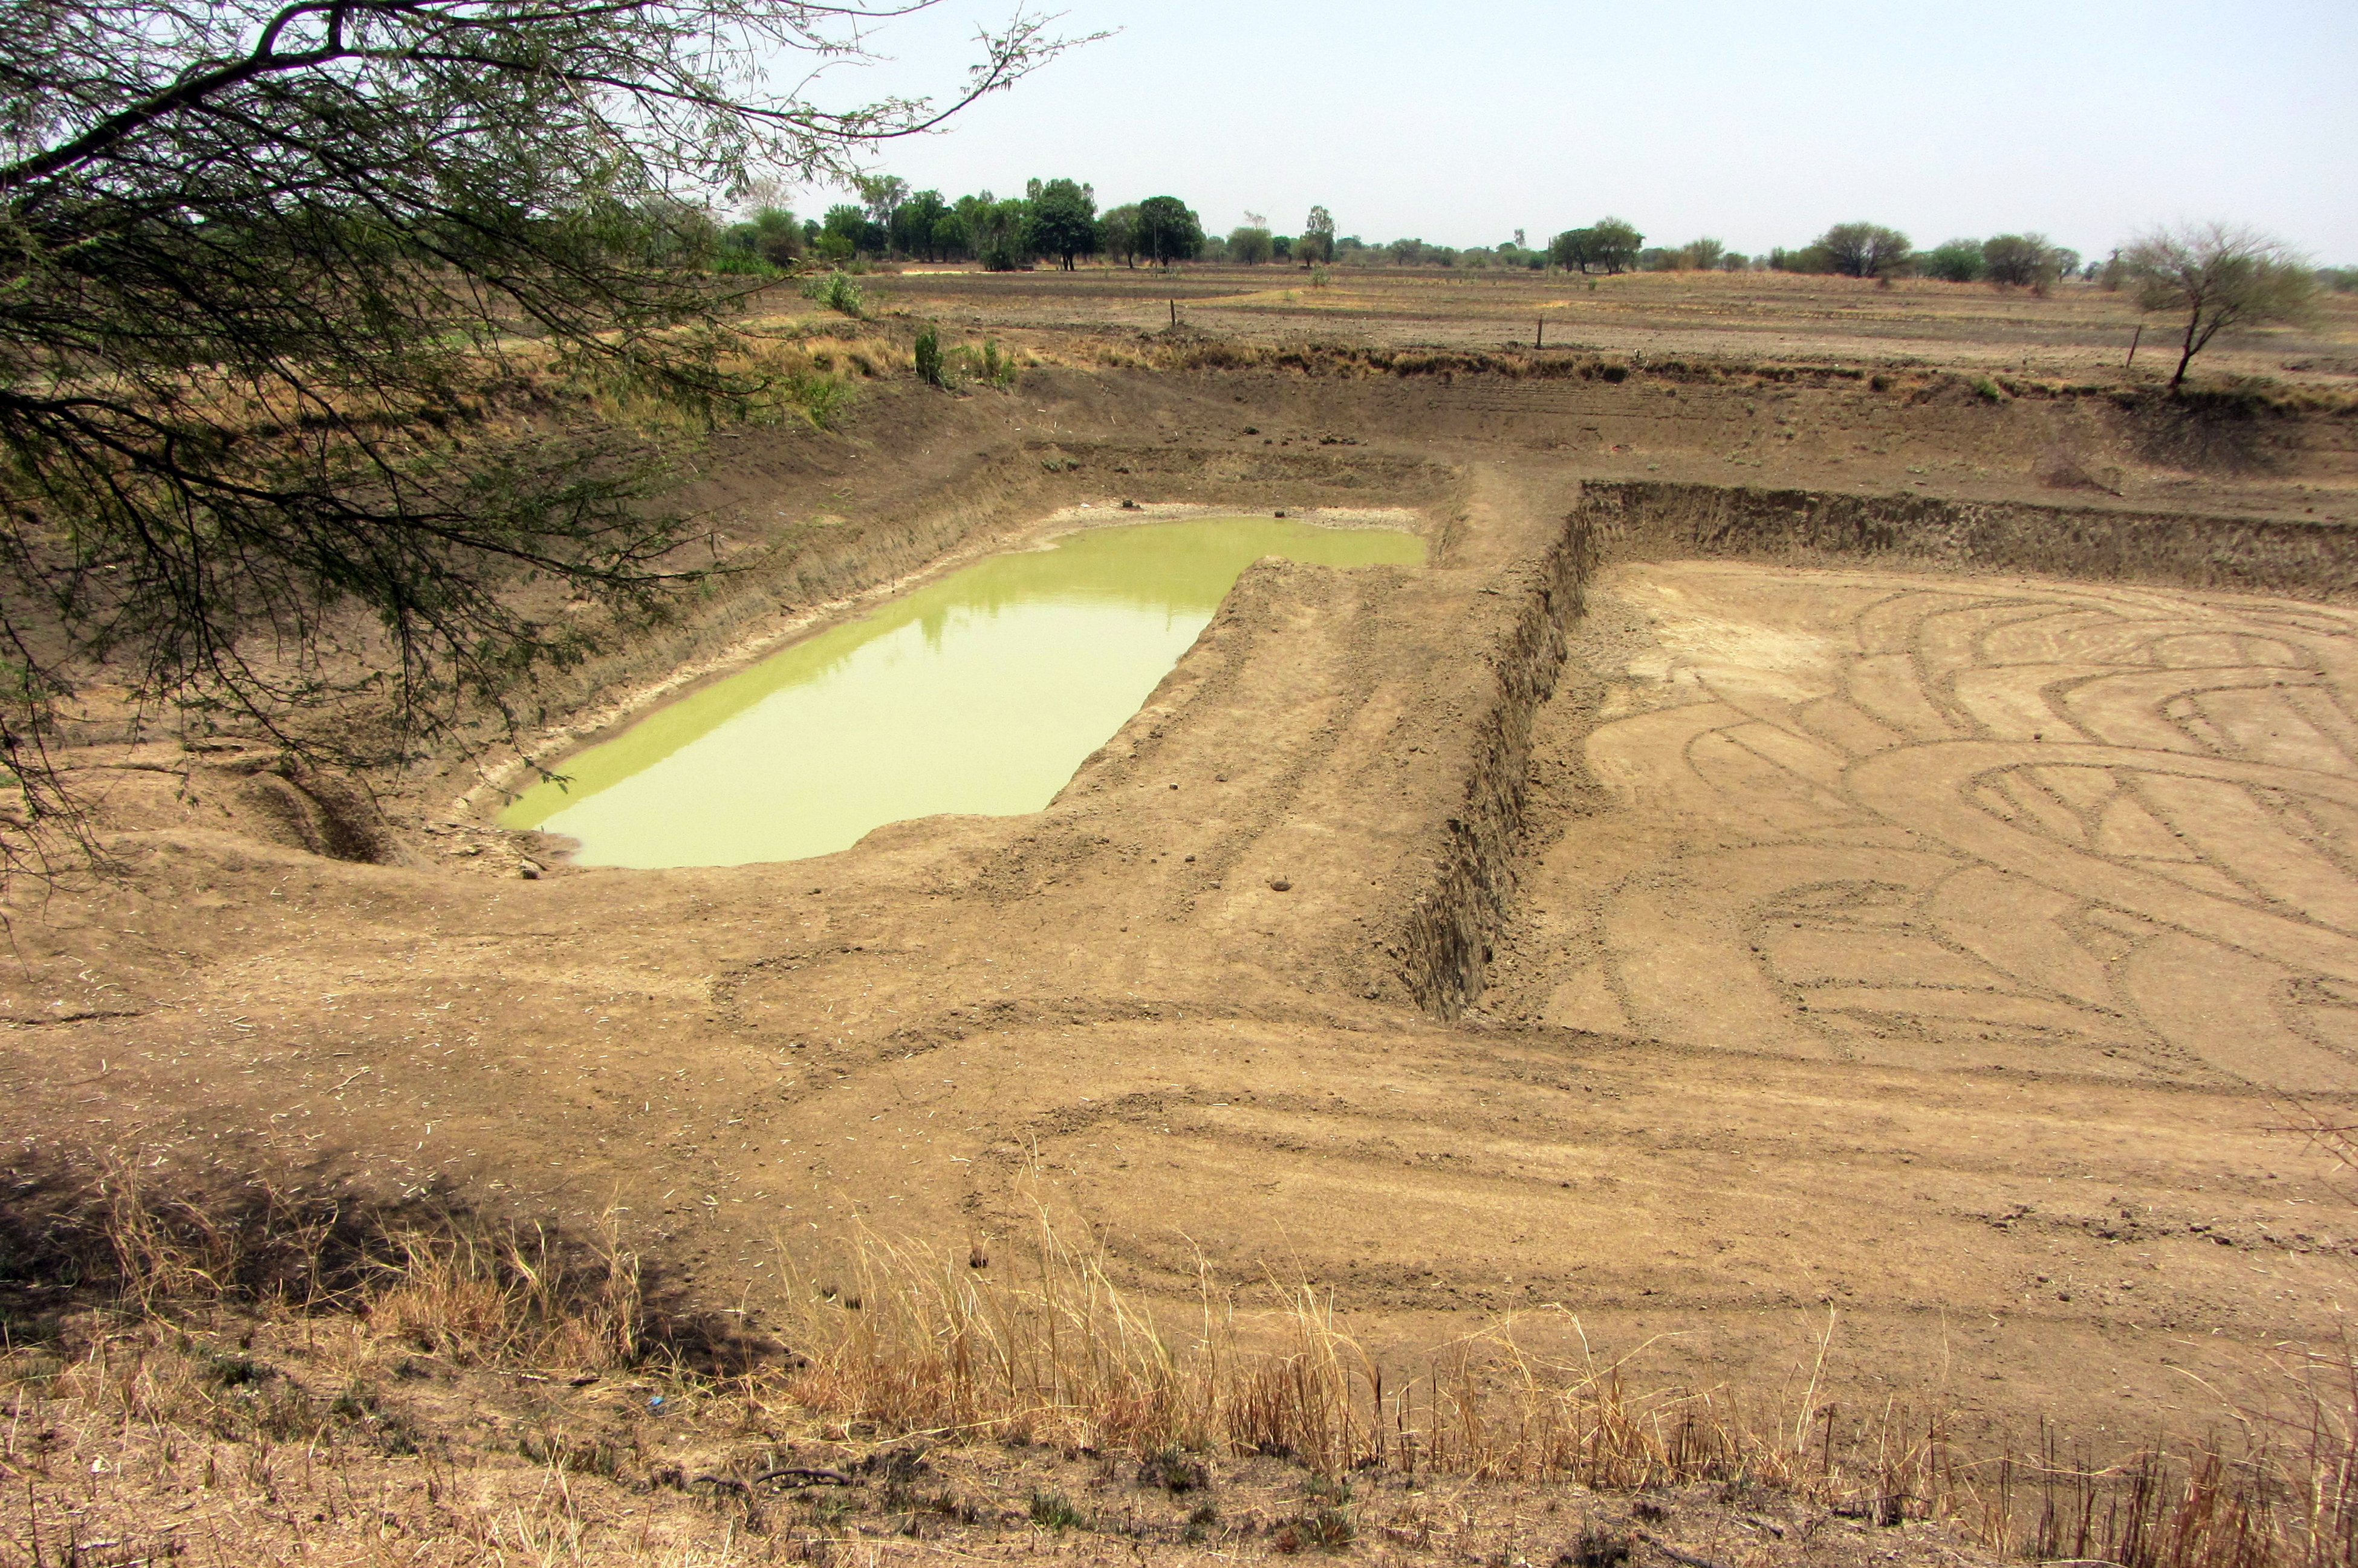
[979, 692]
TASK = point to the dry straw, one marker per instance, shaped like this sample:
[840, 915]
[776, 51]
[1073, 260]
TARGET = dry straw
[1039, 1344]
[1044, 1347]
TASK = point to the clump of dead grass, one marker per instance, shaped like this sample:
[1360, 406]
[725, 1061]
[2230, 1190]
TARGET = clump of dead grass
[1050, 1351]
[137, 1311]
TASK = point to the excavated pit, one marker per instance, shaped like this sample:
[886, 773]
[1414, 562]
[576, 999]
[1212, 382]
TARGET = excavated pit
[1701, 905]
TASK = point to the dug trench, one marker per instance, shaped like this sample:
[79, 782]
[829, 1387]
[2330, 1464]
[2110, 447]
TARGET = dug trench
[1821, 936]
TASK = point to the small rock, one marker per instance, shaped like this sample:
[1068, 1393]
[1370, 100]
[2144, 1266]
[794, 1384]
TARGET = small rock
[1281, 885]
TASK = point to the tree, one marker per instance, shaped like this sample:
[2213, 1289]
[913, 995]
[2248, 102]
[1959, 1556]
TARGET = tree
[2221, 278]
[266, 266]
[882, 195]
[1117, 233]
[1702, 256]
[1065, 220]
[914, 222]
[1001, 232]
[1167, 230]
[2025, 261]
[1615, 245]
[1955, 261]
[1317, 242]
[777, 237]
[770, 238]
[1250, 245]
[1862, 250]
[1609, 245]
[968, 218]
[853, 228]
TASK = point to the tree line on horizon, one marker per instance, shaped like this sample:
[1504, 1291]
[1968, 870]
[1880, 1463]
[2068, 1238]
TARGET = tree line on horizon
[1058, 221]
[2215, 277]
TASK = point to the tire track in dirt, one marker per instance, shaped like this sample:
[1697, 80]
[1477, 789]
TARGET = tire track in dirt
[1909, 820]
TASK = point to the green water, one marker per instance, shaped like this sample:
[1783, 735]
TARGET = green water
[980, 692]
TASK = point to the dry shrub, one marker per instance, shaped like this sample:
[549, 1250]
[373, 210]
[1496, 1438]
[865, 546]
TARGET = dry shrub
[437, 1277]
[477, 1295]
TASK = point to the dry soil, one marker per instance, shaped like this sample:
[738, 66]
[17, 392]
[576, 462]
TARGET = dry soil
[1820, 877]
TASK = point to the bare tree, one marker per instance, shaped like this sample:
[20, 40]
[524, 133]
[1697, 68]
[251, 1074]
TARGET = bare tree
[265, 264]
[2220, 277]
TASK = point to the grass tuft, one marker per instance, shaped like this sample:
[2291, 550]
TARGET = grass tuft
[265, 1330]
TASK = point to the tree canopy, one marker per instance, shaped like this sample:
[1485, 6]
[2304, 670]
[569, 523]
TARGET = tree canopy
[1862, 250]
[1167, 230]
[2219, 277]
[1954, 260]
[1117, 233]
[2025, 261]
[1318, 241]
[1250, 244]
[1609, 245]
[1065, 221]
[261, 256]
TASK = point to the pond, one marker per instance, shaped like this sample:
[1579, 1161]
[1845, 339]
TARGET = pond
[979, 692]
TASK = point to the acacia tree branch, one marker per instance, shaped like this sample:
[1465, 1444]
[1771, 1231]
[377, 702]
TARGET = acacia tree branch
[184, 94]
[257, 256]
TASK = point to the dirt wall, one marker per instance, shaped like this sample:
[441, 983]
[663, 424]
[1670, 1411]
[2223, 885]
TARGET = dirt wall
[1638, 519]
[1449, 928]
[1445, 941]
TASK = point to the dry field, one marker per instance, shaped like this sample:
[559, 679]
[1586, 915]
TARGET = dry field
[1835, 891]
[2080, 330]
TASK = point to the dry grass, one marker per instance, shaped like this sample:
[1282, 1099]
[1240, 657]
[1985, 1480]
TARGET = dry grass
[487, 1394]
[1053, 1351]
[2077, 333]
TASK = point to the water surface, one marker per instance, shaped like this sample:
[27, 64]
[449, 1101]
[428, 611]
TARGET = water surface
[980, 692]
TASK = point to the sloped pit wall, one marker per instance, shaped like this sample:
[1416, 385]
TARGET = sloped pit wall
[1444, 947]
[1644, 520]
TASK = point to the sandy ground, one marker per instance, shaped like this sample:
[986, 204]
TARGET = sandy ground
[1903, 980]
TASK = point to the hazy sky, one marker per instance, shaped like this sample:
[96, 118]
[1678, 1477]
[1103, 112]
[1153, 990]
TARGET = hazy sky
[1759, 122]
